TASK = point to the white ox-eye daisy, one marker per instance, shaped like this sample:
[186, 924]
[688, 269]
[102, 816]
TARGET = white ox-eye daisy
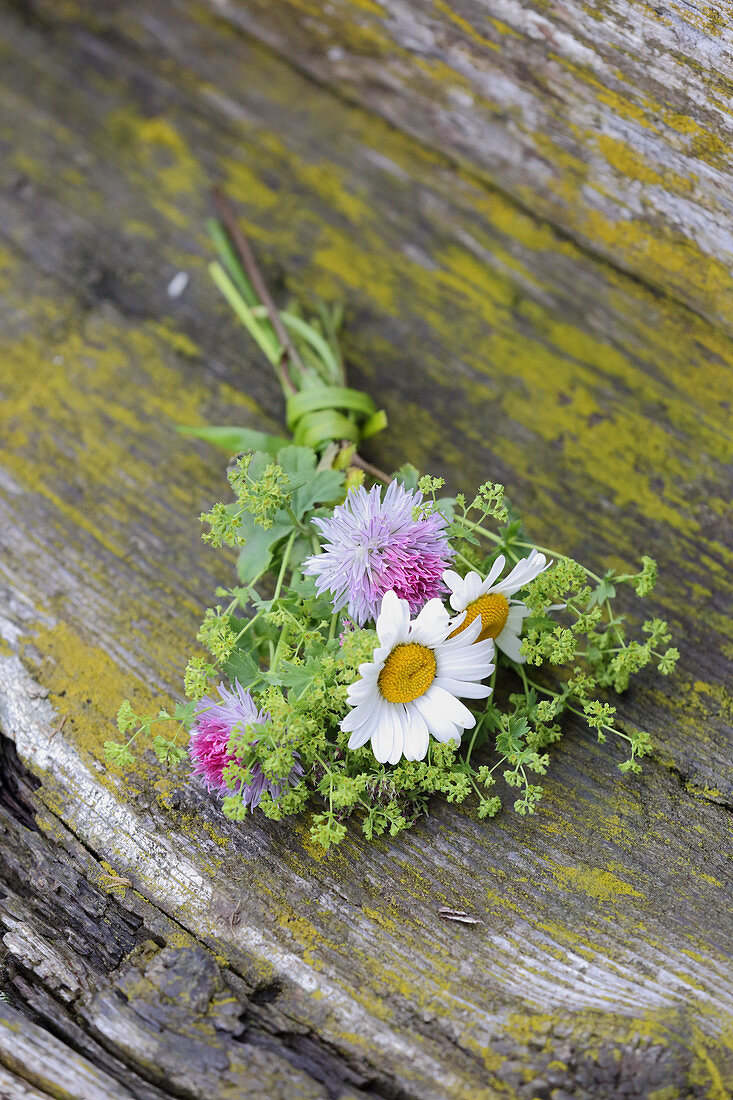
[411, 688]
[489, 603]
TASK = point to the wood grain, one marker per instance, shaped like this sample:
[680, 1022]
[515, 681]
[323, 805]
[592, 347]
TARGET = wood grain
[500, 349]
[614, 121]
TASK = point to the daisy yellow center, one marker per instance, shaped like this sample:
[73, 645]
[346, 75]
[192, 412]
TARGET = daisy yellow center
[408, 673]
[494, 611]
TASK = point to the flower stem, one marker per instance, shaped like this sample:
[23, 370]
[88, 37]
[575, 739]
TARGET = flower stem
[284, 565]
[245, 254]
[477, 527]
[334, 624]
[465, 560]
[373, 471]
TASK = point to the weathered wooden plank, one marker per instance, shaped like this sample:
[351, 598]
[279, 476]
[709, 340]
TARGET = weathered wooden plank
[615, 121]
[589, 394]
[605, 919]
[30, 1051]
[135, 1007]
[553, 972]
[14, 1088]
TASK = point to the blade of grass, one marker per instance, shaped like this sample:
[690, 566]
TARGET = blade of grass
[264, 340]
[241, 245]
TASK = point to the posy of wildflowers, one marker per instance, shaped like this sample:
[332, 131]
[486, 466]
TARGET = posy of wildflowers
[383, 645]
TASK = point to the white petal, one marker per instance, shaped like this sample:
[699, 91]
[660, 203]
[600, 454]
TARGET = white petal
[400, 724]
[454, 735]
[469, 634]
[454, 581]
[447, 708]
[374, 667]
[360, 691]
[416, 735]
[358, 716]
[472, 587]
[464, 666]
[437, 722]
[522, 573]
[509, 642]
[493, 573]
[393, 620]
[359, 738]
[515, 619]
[384, 735]
[457, 621]
[466, 689]
[431, 625]
[463, 640]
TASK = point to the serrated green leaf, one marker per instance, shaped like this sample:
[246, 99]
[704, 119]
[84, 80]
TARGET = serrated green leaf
[310, 486]
[511, 739]
[298, 677]
[602, 592]
[297, 462]
[119, 754]
[241, 667]
[326, 485]
[407, 475]
[167, 751]
[185, 712]
[256, 554]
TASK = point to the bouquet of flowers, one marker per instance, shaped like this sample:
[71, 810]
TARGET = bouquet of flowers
[384, 643]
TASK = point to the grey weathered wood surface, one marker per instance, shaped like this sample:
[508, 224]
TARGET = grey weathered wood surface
[614, 120]
[500, 348]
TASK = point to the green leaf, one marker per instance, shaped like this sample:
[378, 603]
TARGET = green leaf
[447, 507]
[602, 592]
[511, 739]
[326, 485]
[231, 261]
[167, 751]
[301, 549]
[407, 475]
[304, 586]
[234, 440]
[185, 712]
[240, 666]
[314, 338]
[119, 754]
[310, 487]
[327, 397]
[374, 424]
[297, 462]
[260, 331]
[256, 554]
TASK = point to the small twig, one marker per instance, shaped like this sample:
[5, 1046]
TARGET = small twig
[59, 728]
[373, 471]
[241, 244]
[115, 882]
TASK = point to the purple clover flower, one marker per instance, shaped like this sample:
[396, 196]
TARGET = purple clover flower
[374, 545]
[216, 721]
